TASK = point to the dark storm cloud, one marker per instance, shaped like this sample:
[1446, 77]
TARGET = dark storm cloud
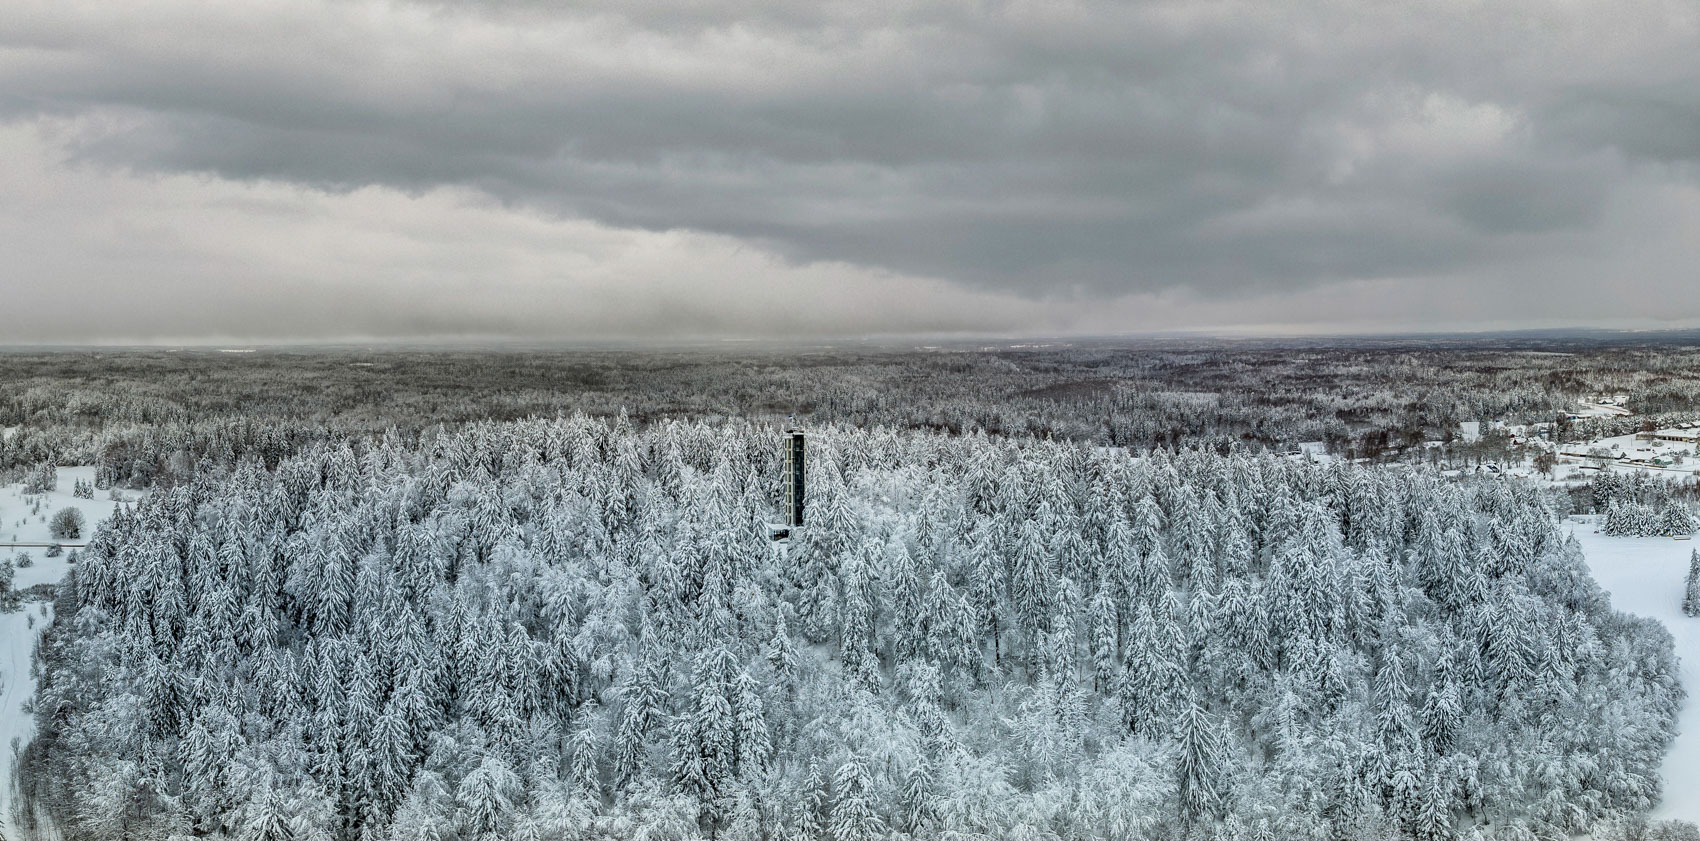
[1065, 150]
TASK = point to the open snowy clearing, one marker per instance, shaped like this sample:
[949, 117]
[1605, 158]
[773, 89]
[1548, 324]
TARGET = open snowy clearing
[1645, 576]
[1600, 410]
[22, 522]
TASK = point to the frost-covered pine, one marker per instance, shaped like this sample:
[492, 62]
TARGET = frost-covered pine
[1201, 770]
[265, 816]
[392, 760]
[643, 697]
[1616, 519]
[1033, 579]
[1627, 518]
[1676, 518]
[1151, 676]
[1606, 487]
[1691, 594]
[1434, 812]
[1393, 708]
[485, 799]
[1443, 711]
[853, 817]
[42, 478]
[1102, 635]
[1646, 520]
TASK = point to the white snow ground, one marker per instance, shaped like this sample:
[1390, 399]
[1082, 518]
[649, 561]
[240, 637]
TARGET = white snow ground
[19, 629]
[1645, 576]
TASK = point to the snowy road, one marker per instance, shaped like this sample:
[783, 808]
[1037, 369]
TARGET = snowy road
[1645, 576]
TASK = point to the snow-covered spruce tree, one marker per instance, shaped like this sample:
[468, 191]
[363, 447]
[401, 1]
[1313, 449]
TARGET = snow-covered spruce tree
[1617, 519]
[42, 478]
[562, 628]
[1202, 767]
[1676, 518]
[1691, 593]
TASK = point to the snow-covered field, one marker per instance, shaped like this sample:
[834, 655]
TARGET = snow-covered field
[1645, 576]
[20, 523]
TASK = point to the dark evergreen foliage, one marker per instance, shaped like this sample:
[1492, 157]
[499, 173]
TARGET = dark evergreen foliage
[1691, 592]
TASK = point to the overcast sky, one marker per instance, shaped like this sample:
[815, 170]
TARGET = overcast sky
[269, 170]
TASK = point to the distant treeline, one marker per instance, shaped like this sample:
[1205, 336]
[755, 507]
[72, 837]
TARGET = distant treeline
[152, 416]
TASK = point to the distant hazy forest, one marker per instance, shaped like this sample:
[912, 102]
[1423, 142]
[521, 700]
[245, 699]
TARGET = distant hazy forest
[145, 416]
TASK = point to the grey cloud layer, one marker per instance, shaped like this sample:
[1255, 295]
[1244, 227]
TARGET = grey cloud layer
[1045, 148]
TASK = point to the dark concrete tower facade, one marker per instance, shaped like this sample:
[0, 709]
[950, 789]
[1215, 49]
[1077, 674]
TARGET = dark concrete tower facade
[794, 470]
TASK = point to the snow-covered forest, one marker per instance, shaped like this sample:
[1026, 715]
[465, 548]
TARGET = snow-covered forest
[943, 420]
[579, 628]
